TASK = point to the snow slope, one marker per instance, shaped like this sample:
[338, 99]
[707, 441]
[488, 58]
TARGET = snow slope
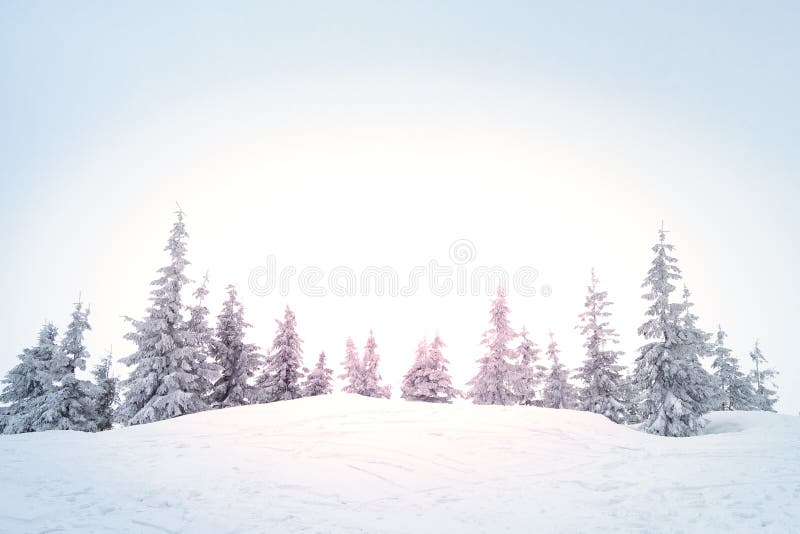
[352, 464]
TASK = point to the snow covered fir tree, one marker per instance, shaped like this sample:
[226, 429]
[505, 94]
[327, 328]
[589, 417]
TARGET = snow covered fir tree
[601, 374]
[351, 364]
[24, 386]
[319, 380]
[108, 393]
[68, 402]
[238, 361]
[762, 378]
[428, 379]
[734, 390]
[557, 392]
[282, 375]
[370, 376]
[527, 374]
[676, 389]
[168, 376]
[492, 384]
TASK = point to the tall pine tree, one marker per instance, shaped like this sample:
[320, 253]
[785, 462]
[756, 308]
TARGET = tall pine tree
[492, 384]
[601, 375]
[281, 377]
[167, 379]
[237, 360]
[676, 388]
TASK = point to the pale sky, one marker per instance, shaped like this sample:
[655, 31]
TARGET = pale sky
[366, 134]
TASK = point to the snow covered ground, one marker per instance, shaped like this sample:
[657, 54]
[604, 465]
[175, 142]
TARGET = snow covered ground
[352, 464]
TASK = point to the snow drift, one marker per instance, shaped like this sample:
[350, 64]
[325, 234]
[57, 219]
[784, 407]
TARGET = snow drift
[345, 463]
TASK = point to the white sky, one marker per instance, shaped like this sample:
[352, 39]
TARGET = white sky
[370, 165]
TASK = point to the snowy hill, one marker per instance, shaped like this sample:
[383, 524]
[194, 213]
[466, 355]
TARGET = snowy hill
[352, 464]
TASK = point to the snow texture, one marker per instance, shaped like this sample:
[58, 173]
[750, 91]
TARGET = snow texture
[351, 464]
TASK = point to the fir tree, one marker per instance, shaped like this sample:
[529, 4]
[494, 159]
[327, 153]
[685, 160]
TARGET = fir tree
[630, 399]
[762, 378]
[281, 377]
[676, 389]
[167, 379]
[734, 390]
[319, 380]
[492, 384]
[558, 392]
[601, 375]
[24, 386]
[237, 360]
[200, 337]
[352, 369]
[371, 378]
[68, 403]
[527, 374]
[428, 379]
[107, 395]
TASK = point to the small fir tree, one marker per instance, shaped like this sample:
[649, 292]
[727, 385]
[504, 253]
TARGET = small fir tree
[281, 377]
[428, 379]
[107, 395]
[762, 379]
[319, 380]
[26, 383]
[527, 374]
[371, 378]
[237, 360]
[558, 392]
[600, 374]
[353, 374]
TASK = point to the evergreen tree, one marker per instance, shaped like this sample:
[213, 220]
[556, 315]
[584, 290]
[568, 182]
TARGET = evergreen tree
[352, 369]
[762, 378]
[167, 379]
[527, 374]
[371, 378]
[281, 377]
[24, 386]
[558, 392]
[68, 403]
[601, 375]
[428, 379]
[201, 336]
[630, 399]
[319, 381]
[734, 389]
[492, 384]
[107, 395]
[237, 360]
[676, 389]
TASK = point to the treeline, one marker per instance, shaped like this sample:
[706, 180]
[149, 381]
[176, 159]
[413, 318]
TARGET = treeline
[182, 365]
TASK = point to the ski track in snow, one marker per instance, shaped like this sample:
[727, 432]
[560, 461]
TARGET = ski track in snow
[350, 464]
